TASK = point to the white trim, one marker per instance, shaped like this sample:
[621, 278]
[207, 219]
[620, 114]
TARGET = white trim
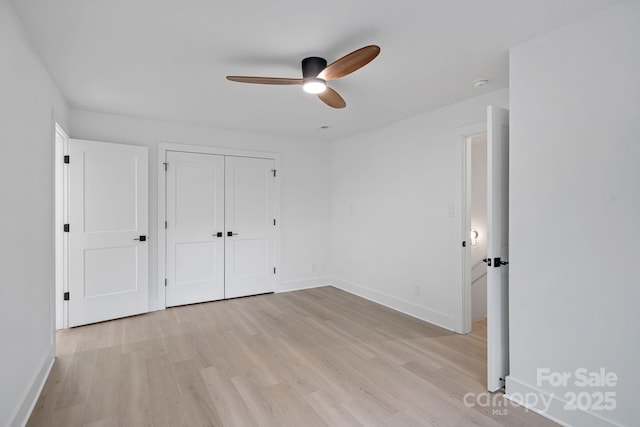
[516, 390]
[61, 239]
[30, 397]
[462, 223]
[428, 315]
[300, 284]
[160, 303]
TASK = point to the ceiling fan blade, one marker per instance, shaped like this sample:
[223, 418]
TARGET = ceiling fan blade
[350, 63]
[265, 80]
[332, 98]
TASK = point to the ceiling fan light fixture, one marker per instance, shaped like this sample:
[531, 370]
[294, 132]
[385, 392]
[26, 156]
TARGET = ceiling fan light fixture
[314, 85]
[316, 73]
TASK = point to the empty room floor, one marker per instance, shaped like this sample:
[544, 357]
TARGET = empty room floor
[317, 357]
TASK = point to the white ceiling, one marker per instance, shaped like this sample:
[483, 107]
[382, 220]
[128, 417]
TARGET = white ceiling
[168, 59]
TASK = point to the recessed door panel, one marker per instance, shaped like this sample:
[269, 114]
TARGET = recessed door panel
[109, 192]
[196, 192]
[108, 212]
[250, 192]
[110, 271]
[195, 223]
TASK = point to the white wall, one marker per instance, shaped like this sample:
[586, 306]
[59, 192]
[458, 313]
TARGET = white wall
[575, 209]
[29, 103]
[392, 239]
[479, 222]
[305, 185]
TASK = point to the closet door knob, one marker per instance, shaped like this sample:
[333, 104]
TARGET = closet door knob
[231, 233]
[218, 234]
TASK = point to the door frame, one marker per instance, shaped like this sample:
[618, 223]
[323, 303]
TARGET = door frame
[61, 209]
[160, 303]
[462, 224]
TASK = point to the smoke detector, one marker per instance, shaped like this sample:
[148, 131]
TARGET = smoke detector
[480, 83]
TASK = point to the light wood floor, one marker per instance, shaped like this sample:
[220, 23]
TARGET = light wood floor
[319, 357]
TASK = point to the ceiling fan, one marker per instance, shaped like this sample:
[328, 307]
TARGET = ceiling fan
[316, 74]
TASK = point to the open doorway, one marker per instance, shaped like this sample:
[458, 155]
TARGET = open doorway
[477, 147]
[468, 268]
[465, 260]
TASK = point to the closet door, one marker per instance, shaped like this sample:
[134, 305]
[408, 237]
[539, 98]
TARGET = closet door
[195, 226]
[250, 228]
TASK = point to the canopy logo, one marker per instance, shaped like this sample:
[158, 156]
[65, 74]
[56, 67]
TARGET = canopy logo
[498, 404]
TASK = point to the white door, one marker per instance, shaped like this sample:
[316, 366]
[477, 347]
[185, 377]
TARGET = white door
[108, 224]
[250, 226]
[497, 247]
[195, 227]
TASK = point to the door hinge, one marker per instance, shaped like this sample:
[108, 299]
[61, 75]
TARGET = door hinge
[166, 166]
[274, 270]
[66, 296]
[166, 224]
[274, 172]
[274, 221]
[66, 228]
[165, 283]
[464, 244]
[67, 158]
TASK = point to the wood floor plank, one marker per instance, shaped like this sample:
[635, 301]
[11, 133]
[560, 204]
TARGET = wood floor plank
[231, 407]
[318, 357]
[332, 412]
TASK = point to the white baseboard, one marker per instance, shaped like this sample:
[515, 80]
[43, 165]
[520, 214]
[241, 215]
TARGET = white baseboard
[526, 395]
[288, 286]
[30, 397]
[297, 285]
[406, 307]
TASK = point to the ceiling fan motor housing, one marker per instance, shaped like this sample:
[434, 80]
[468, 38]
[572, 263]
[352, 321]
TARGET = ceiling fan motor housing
[312, 66]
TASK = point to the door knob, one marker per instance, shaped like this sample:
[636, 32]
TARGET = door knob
[231, 233]
[497, 262]
[141, 238]
[218, 234]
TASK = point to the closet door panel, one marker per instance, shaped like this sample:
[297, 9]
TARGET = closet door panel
[195, 222]
[250, 228]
